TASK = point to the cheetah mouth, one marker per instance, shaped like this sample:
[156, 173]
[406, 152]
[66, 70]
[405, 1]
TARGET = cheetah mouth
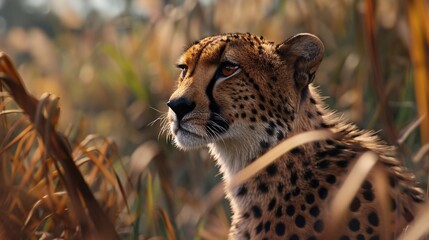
[184, 131]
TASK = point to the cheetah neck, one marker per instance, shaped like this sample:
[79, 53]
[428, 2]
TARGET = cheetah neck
[235, 153]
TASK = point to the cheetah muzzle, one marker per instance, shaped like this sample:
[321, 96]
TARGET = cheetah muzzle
[240, 95]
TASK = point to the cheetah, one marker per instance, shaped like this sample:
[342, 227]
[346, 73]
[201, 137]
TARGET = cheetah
[240, 95]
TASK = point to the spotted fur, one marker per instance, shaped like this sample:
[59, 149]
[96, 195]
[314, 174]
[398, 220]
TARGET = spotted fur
[268, 98]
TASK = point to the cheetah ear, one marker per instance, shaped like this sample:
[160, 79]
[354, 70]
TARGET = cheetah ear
[305, 52]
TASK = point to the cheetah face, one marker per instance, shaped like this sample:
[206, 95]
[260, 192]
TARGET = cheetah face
[234, 85]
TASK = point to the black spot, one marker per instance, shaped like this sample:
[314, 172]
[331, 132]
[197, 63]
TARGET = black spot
[309, 115]
[287, 196]
[279, 211]
[293, 178]
[312, 100]
[252, 119]
[241, 191]
[254, 111]
[408, 215]
[270, 131]
[342, 163]
[264, 145]
[252, 127]
[257, 212]
[318, 226]
[392, 204]
[263, 187]
[243, 115]
[323, 192]
[280, 135]
[300, 221]
[271, 169]
[354, 225]
[294, 237]
[331, 179]
[241, 106]
[344, 238]
[274, 78]
[303, 207]
[296, 151]
[373, 218]
[246, 215]
[246, 98]
[279, 122]
[280, 187]
[308, 175]
[309, 198]
[280, 229]
[323, 164]
[247, 235]
[296, 191]
[263, 118]
[259, 228]
[272, 204]
[290, 210]
[369, 230]
[256, 86]
[314, 211]
[314, 183]
[262, 107]
[360, 237]
[267, 226]
[375, 238]
[355, 205]
[366, 185]
[368, 195]
[334, 152]
[392, 181]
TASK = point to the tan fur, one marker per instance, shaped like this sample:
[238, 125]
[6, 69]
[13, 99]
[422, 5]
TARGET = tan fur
[269, 98]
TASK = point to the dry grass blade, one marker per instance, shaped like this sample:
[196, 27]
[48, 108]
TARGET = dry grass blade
[168, 225]
[419, 227]
[409, 129]
[276, 152]
[418, 21]
[83, 203]
[381, 187]
[422, 151]
[379, 86]
[348, 190]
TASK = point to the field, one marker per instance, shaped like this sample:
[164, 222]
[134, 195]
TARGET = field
[84, 157]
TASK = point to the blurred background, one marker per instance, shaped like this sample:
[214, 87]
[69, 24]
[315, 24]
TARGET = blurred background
[111, 63]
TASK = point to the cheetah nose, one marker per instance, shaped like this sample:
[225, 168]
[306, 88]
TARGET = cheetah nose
[181, 106]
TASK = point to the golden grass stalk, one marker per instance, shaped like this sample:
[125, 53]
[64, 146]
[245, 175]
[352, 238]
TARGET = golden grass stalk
[93, 221]
[419, 227]
[418, 20]
[282, 148]
[341, 201]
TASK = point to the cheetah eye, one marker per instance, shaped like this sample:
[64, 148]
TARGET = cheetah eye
[227, 70]
[184, 69]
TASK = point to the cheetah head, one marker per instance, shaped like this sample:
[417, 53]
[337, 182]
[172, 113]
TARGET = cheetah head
[240, 88]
